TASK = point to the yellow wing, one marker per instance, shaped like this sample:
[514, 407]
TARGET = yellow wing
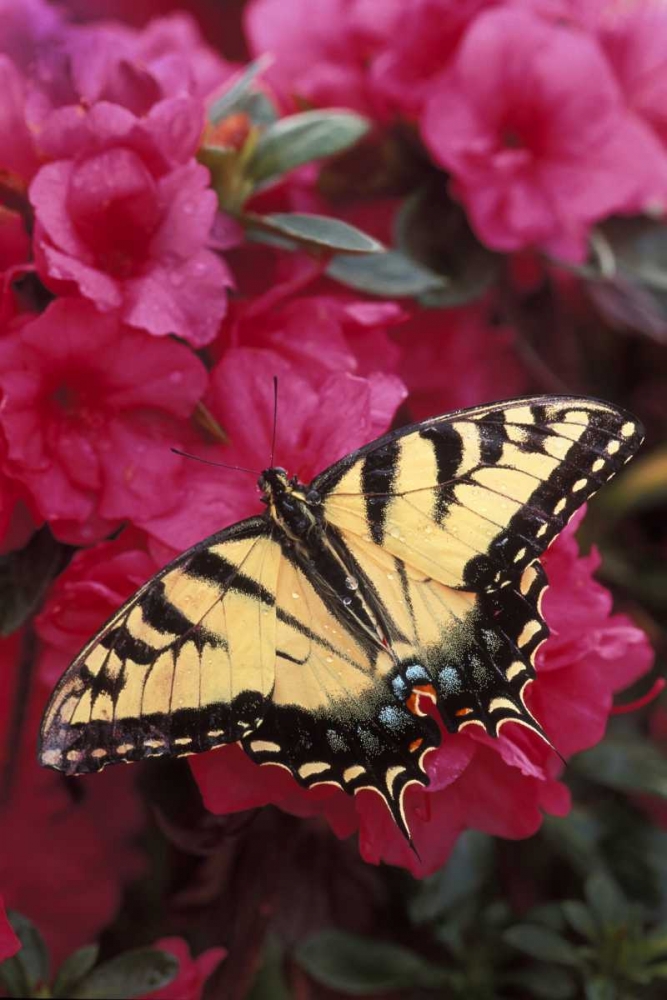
[187, 664]
[472, 498]
[353, 661]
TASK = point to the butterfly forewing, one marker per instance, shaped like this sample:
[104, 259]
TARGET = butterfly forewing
[187, 664]
[472, 498]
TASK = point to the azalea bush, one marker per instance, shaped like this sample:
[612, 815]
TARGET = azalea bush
[398, 208]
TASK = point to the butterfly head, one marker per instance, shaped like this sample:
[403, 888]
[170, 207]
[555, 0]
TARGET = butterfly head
[289, 502]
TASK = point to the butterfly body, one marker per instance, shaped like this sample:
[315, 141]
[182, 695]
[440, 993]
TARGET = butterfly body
[317, 634]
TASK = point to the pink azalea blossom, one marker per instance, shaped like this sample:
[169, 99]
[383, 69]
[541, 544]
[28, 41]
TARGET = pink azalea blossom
[430, 31]
[71, 63]
[322, 50]
[19, 156]
[17, 521]
[192, 974]
[634, 38]
[538, 154]
[502, 786]
[321, 417]
[86, 594]
[132, 241]
[454, 358]
[89, 411]
[72, 889]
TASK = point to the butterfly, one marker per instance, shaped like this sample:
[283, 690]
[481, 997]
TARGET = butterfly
[315, 634]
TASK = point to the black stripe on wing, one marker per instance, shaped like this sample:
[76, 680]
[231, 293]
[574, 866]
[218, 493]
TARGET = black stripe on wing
[608, 441]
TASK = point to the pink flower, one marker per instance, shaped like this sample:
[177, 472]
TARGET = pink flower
[320, 333]
[17, 522]
[65, 858]
[322, 50]
[19, 156]
[440, 344]
[132, 240]
[192, 974]
[430, 31]
[89, 411]
[634, 39]
[502, 786]
[534, 129]
[85, 595]
[321, 417]
[111, 61]
[107, 61]
[9, 943]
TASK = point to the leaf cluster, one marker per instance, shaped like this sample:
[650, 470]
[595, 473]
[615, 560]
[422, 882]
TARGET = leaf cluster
[81, 977]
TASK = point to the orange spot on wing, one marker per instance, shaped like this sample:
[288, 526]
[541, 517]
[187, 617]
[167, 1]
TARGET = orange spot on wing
[422, 691]
[415, 745]
[464, 711]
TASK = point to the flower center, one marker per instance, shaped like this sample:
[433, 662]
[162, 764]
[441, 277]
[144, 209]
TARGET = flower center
[66, 398]
[78, 403]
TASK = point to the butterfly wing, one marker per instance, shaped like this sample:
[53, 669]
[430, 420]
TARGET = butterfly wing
[334, 716]
[474, 497]
[187, 664]
[443, 523]
[424, 583]
[346, 708]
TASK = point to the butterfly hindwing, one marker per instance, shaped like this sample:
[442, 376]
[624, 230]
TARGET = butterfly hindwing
[345, 710]
[185, 665]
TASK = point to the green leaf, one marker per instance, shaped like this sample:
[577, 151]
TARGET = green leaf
[302, 138]
[655, 945]
[357, 966]
[627, 276]
[576, 838]
[547, 982]
[270, 981]
[321, 231]
[389, 273]
[33, 955]
[601, 988]
[542, 943]
[13, 977]
[548, 915]
[237, 96]
[626, 765]
[433, 231]
[580, 918]
[25, 577]
[464, 874]
[131, 974]
[74, 968]
[606, 900]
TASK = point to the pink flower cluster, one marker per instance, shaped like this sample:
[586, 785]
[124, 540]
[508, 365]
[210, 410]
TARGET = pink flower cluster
[548, 115]
[125, 333]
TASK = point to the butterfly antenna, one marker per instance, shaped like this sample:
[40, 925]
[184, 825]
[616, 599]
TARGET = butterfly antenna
[275, 417]
[218, 465]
